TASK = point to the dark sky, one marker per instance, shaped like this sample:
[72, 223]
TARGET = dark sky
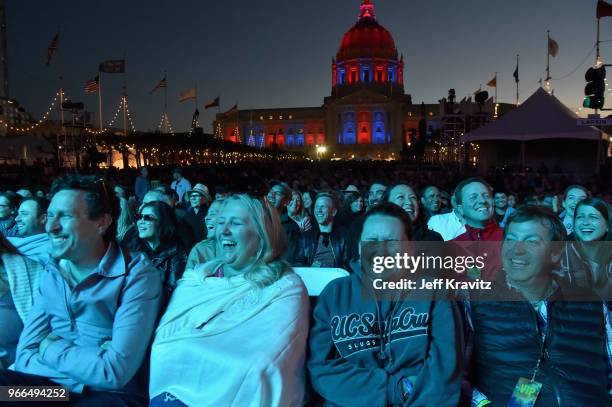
[277, 53]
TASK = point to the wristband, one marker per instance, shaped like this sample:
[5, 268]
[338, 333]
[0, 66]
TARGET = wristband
[483, 403]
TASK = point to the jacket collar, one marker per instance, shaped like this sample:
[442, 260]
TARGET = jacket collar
[112, 264]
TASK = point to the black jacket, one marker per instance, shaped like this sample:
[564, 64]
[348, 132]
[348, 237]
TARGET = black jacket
[306, 247]
[507, 345]
[196, 223]
[169, 259]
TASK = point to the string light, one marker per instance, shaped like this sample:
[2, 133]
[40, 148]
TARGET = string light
[127, 110]
[110, 124]
[40, 121]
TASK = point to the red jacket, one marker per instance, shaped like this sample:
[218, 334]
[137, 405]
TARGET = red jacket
[491, 233]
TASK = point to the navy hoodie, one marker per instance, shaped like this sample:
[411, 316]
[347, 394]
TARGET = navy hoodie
[361, 349]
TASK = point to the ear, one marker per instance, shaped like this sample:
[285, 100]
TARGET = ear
[423, 200]
[103, 223]
[43, 218]
[460, 210]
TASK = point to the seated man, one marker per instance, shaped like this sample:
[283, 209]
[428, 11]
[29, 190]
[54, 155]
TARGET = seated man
[32, 240]
[94, 314]
[373, 352]
[556, 348]
[325, 244]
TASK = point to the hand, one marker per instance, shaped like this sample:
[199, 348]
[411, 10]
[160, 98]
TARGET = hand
[42, 346]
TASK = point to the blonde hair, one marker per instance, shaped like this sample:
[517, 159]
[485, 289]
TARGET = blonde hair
[268, 266]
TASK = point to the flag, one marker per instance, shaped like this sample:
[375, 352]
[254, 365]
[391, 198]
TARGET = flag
[188, 94]
[161, 84]
[212, 103]
[553, 47]
[52, 48]
[92, 85]
[604, 9]
[231, 109]
[493, 82]
[515, 74]
[112, 66]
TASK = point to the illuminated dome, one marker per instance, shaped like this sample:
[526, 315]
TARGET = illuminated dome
[367, 38]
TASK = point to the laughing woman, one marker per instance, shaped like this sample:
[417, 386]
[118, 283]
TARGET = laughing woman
[588, 259]
[234, 333]
[157, 237]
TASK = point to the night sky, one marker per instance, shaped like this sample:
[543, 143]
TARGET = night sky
[277, 53]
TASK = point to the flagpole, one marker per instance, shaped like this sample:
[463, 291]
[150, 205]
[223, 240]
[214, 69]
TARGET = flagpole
[597, 44]
[516, 80]
[548, 61]
[100, 99]
[165, 103]
[495, 87]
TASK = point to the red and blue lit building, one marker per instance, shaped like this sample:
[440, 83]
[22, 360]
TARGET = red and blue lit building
[367, 115]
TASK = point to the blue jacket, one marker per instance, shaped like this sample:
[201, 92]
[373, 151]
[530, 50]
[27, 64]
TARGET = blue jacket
[117, 305]
[361, 349]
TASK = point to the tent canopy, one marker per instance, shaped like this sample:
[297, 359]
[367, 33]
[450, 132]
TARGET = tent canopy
[541, 116]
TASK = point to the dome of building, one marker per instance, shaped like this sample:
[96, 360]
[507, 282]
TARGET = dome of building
[367, 38]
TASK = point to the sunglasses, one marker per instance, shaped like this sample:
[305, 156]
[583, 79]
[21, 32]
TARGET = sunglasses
[146, 218]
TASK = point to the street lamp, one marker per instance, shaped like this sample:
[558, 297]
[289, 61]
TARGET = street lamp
[320, 151]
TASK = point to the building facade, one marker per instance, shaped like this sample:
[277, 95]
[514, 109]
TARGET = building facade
[367, 115]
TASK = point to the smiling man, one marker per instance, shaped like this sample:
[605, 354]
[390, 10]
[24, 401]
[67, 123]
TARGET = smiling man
[475, 205]
[94, 339]
[32, 217]
[324, 245]
[373, 352]
[536, 339]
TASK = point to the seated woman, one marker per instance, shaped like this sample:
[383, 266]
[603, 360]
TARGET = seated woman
[19, 278]
[404, 196]
[297, 212]
[234, 333]
[158, 238]
[587, 260]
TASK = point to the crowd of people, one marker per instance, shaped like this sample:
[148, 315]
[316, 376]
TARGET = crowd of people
[129, 290]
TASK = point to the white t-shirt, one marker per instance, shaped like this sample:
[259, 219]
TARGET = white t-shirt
[181, 188]
[446, 224]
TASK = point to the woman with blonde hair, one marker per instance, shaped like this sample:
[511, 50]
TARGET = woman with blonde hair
[237, 325]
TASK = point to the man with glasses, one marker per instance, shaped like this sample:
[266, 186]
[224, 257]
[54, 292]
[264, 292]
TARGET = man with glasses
[96, 309]
[199, 198]
[325, 244]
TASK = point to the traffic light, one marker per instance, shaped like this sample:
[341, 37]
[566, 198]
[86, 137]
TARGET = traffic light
[595, 88]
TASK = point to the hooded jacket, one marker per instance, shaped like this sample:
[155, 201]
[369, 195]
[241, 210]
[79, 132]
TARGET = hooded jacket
[361, 349]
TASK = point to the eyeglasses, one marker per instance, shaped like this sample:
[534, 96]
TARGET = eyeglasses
[146, 218]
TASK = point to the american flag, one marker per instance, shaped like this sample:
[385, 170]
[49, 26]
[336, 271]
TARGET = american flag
[91, 86]
[52, 48]
[161, 84]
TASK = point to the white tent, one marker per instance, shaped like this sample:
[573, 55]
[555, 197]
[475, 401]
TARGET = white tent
[541, 117]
